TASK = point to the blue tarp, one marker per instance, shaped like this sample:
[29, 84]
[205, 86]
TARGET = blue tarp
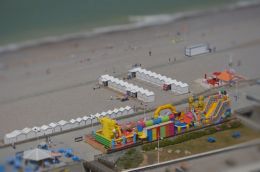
[2, 168]
[75, 158]
[211, 139]
[236, 134]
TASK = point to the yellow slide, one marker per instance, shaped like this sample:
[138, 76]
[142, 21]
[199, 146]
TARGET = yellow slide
[211, 109]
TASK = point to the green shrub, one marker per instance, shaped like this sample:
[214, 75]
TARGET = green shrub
[210, 130]
[235, 124]
[189, 136]
[131, 159]
[224, 126]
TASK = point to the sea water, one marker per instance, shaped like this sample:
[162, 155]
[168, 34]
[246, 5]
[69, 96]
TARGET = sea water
[28, 22]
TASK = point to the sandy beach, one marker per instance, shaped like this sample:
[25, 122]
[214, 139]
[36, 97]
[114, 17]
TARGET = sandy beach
[51, 82]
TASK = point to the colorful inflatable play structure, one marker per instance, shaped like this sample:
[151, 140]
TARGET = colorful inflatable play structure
[166, 122]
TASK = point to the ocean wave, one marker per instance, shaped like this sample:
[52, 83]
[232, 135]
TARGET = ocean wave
[135, 22]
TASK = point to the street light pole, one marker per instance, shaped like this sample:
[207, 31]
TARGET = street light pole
[158, 147]
[144, 112]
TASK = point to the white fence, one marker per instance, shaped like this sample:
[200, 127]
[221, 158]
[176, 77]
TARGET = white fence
[127, 88]
[159, 80]
[56, 127]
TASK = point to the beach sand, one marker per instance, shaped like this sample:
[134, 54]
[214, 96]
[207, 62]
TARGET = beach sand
[51, 82]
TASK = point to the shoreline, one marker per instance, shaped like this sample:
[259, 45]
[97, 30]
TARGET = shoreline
[134, 24]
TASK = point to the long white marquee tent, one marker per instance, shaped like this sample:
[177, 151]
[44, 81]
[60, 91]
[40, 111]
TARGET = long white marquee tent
[159, 80]
[127, 88]
[62, 125]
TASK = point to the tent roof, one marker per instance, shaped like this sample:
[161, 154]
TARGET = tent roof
[92, 116]
[45, 127]
[73, 121]
[53, 124]
[62, 122]
[36, 129]
[127, 107]
[36, 154]
[109, 112]
[135, 69]
[13, 133]
[121, 109]
[103, 113]
[85, 118]
[79, 119]
[26, 130]
[115, 110]
[225, 76]
[97, 115]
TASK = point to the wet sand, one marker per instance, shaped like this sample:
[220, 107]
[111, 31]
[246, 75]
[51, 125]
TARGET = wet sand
[51, 82]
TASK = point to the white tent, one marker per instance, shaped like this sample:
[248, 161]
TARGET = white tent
[116, 112]
[103, 114]
[94, 119]
[184, 88]
[11, 137]
[174, 85]
[119, 113]
[134, 69]
[109, 113]
[178, 87]
[81, 122]
[29, 133]
[46, 129]
[55, 127]
[120, 85]
[73, 123]
[36, 154]
[64, 125]
[98, 115]
[38, 131]
[123, 111]
[149, 97]
[113, 114]
[131, 111]
[87, 120]
[158, 80]
[128, 110]
[21, 137]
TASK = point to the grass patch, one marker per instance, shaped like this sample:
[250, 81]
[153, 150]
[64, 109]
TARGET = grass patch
[131, 159]
[193, 146]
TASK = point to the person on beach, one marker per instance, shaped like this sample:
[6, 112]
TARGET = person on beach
[150, 53]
